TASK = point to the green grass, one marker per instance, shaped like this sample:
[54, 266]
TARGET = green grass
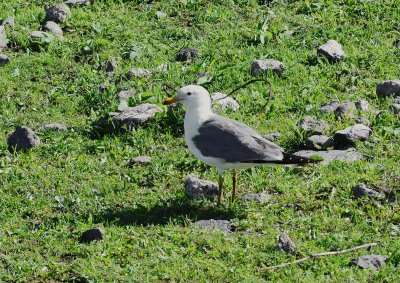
[74, 181]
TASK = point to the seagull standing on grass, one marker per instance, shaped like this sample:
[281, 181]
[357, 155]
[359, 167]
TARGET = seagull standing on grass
[225, 143]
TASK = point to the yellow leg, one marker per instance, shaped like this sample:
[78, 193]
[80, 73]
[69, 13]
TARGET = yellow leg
[220, 188]
[234, 182]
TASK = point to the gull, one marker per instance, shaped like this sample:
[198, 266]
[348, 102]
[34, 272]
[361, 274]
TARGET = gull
[225, 143]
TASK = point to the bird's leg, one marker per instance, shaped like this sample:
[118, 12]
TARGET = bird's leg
[234, 184]
[220, 188]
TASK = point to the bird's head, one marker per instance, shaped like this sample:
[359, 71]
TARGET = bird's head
[192, 96]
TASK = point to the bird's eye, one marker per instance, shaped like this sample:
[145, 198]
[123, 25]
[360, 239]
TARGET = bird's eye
[189, 93]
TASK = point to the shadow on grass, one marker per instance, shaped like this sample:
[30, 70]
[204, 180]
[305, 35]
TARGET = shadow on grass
[177, 211]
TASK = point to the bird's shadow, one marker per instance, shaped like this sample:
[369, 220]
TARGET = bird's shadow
[179, 211]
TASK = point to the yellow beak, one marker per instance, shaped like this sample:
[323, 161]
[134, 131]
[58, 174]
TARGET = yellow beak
[170, 100]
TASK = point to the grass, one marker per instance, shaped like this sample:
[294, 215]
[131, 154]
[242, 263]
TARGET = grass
[75, 181]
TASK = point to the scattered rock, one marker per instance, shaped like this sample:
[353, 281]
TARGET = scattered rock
[53, 28]
[364, 121]
[3, 38]
[395, 108]
[109, 66]
[95, 234]
[187, 54]
[352, 134]
[261, 66]
[319, 142]
[137, 73]
[161, 14]
[58, 13]
[125, 94]
[256, 197]
[285, 244]
[35, 35]
[362, 105]
[53, 126]
[141, 160]
[331, 49]
[345, 109]
[349, 155]
[272, 136]
[23, 138]
[200, 189]
[9, 22]
[138, 115]
[223, 225]
[362, 190]
[78, 2]
[329, 107]
[370, 261]
[226, 103]
[4, 59]
[388, 88]
[312, 126]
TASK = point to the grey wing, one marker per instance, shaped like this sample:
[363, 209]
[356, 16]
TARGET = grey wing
[234, 142]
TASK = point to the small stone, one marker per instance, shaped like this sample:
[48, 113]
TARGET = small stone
[329, 107]
[272, 136]
[9, 22]
[23, 138]
[345, 109]
[370, 261]
[4, 59]
[187, 54]
[134, 116]
[53, 126]
[261, 66]
[58, 13]
[352, 134]
[95, 234]
[161, 14]
[319, 142]
[362, 190]
[200, 189]
[125, 94]
[285, 244]
[224, 226]
[225, 103]
[141, 160]
[78, 2]
[364, 121]
[37, 35]
[260, 198]
[362, 105]
[312, 126]
[53, 28]
[137, 73]
[331, 49]
[109, 66]
[388, 88]
[395, 108]
[3, 38]
[349, 155]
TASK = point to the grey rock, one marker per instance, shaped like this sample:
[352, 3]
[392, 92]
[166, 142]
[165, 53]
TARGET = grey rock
[319, 142]
[200, 189]
[225, 103]
[255, 197]
[329, 107]
[3, 38]
[395, 108]
[53, 126]
[53, 28]
[187, 54]
[388, 88]
[396, 99]
[161, 14]
[364, 121]
[331, 49]
[261, 66]
[35, 35]
[78, 2]
[23, 138]
[95, 234]
[312, 126]
[9, 22]
[4, 59]
[137, 73]
[352, 134]
[345, 109]
[370, 261]
[362, 105]
[141, 160]
[364, 190]
[272, 136]
[285, 244]
[223, 225]
[109, 66]
[349, 155]
[58, 13]
[134, 116]
[125, 94]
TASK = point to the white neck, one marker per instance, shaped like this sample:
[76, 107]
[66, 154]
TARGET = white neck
[195, 116]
